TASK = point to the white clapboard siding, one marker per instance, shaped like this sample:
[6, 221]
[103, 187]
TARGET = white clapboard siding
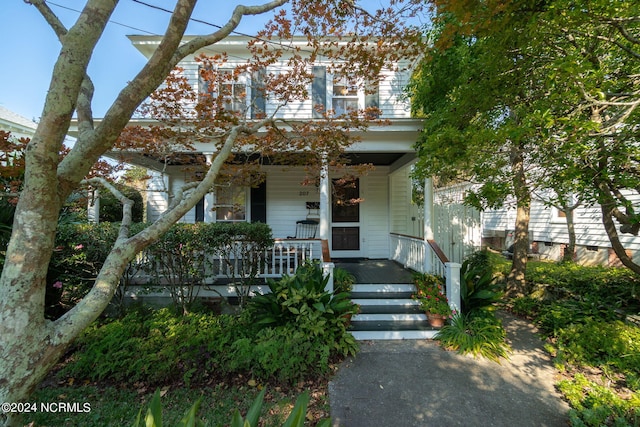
[392, 100]
[286, 199]
[157, 197]
[374, 212]
[405, 216]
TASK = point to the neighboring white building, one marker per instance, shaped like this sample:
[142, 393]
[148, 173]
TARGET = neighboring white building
[19, 126]
[549, 236]
[548, 233]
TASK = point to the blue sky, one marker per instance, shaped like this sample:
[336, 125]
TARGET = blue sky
[30, 47]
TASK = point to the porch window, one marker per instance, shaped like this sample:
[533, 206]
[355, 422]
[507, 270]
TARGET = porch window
[231, 204]
[345, 96]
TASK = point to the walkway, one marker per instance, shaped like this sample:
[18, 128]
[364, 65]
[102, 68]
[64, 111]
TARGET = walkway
[413, 383]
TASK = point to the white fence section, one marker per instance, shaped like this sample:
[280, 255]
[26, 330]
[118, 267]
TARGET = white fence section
[426, 257]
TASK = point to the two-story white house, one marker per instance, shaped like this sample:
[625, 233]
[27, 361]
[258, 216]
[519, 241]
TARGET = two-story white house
[357, 231]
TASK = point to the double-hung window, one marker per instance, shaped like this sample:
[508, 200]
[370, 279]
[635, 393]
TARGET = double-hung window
[225, 89]
[345, 97]
[231, 204]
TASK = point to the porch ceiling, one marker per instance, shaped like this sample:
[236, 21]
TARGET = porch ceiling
[195, 158]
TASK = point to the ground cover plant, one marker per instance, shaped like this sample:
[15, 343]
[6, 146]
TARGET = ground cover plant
[476, 330]
[585, 314]
[120, 360]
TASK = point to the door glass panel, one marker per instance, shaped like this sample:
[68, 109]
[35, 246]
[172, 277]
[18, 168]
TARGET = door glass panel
[346, 200]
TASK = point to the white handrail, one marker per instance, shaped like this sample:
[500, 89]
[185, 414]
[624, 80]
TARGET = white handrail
[419, 255]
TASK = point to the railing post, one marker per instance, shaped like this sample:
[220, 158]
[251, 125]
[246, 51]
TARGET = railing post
[427, 258]
[452, 274]
[327, 269]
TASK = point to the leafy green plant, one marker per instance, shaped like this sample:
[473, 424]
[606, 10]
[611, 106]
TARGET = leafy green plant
[555, 316]
[595, 405]
[230, 242]
[300, 325]
[111, 207]
[153, 346]
[342, 280]
[480, 335]
[300, 294]
[478, 287]
[296, 418]
[599, 343]
[525, 306]
[430, 295]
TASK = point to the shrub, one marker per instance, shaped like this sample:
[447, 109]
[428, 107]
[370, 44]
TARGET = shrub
[342, 280]
[479, 334]
[557, 315]
[163, 346]
[151, 346]
[613, 287]
[301, 326]
[598, 343]
[111, 207]
[478, 287]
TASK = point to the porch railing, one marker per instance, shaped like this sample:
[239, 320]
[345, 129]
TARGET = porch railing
[284, 257]
[425, 256]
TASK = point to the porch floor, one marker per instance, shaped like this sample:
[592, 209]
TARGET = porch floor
[375, 271]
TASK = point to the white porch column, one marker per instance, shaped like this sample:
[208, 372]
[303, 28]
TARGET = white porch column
[93, 208]
[324, 201]
[428, 225]
[428, 209]
[209, 214]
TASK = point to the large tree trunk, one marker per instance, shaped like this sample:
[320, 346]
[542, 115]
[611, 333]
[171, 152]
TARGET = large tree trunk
[516, 282]
[570, 250]
[607, 208]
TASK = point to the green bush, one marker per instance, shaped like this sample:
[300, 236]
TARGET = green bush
[598, 343]
[525, 306]
[111, 207]
[613, 287]
[479, 334]
[164, 346]
[556, 315]
[301, 326]
[343, 281]
[478, 285]
[151, 346]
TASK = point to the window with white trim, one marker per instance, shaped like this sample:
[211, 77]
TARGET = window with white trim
[231, 204]
[345, 96]
[230, 87]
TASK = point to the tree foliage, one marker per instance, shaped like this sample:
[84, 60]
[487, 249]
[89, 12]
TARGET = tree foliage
[552, 85]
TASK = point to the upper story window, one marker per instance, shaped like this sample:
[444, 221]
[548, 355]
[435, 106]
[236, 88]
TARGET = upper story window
[234, 92]
[345, 96]
[223, 88]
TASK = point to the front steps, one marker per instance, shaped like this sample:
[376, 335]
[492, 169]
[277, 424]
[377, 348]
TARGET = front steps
[387, 312]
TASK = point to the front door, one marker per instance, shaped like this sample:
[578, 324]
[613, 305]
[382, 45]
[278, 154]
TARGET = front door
[345, 218]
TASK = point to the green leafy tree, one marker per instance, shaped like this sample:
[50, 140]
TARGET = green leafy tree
[524, 97]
